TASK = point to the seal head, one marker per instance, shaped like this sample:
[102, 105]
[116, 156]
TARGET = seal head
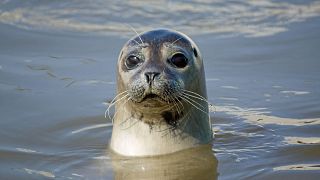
[161, 84]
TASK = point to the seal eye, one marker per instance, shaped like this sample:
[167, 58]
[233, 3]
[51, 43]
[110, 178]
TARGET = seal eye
[179, 60]
[132, 62]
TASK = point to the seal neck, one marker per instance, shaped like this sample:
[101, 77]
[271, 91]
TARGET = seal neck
[133, 137]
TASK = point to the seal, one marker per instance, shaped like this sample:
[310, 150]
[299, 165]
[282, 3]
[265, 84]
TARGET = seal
[161, 105]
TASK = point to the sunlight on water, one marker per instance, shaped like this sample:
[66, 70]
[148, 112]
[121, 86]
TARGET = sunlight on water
[42, 173]
[299, 167]
[302, 140]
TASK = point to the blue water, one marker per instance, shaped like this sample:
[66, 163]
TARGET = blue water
[57, 73]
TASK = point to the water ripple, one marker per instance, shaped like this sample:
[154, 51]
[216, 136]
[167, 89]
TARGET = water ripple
[247, 18]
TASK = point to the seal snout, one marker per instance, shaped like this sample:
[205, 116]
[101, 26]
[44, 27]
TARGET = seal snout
[150, 76]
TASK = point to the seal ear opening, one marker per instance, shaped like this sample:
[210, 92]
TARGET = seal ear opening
[195, 52]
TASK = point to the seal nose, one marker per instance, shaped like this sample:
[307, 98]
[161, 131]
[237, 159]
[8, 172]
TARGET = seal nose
[150, 76]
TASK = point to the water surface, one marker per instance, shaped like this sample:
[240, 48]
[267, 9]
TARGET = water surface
[57, 71]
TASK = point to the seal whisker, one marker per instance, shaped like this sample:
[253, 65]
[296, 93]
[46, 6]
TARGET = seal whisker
[130, 124]
[200, 98]
[118, 95]
[194, 105]
[195, 95]
[176, 99]
[136, 121]
[128, 25]
[137, 34]
[121, 105]
[192, 92]
[185, 121]
[182, 122]
[175, 104]
[178, 104]
[175, 41]
[113, 103]
[169, 99]
[199, 105]
[136, 42]
[207, 113]
[192, 96]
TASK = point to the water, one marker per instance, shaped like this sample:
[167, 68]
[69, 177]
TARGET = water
[57, 70]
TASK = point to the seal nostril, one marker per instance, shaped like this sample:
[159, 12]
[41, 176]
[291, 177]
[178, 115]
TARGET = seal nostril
[150, 76]
[147, 78]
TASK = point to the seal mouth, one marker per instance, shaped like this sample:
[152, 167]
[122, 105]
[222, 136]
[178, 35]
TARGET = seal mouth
[152, 96]
[152, 100]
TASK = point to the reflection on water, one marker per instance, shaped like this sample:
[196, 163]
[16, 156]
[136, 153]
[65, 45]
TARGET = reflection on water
[198, 163]
[57, 70]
